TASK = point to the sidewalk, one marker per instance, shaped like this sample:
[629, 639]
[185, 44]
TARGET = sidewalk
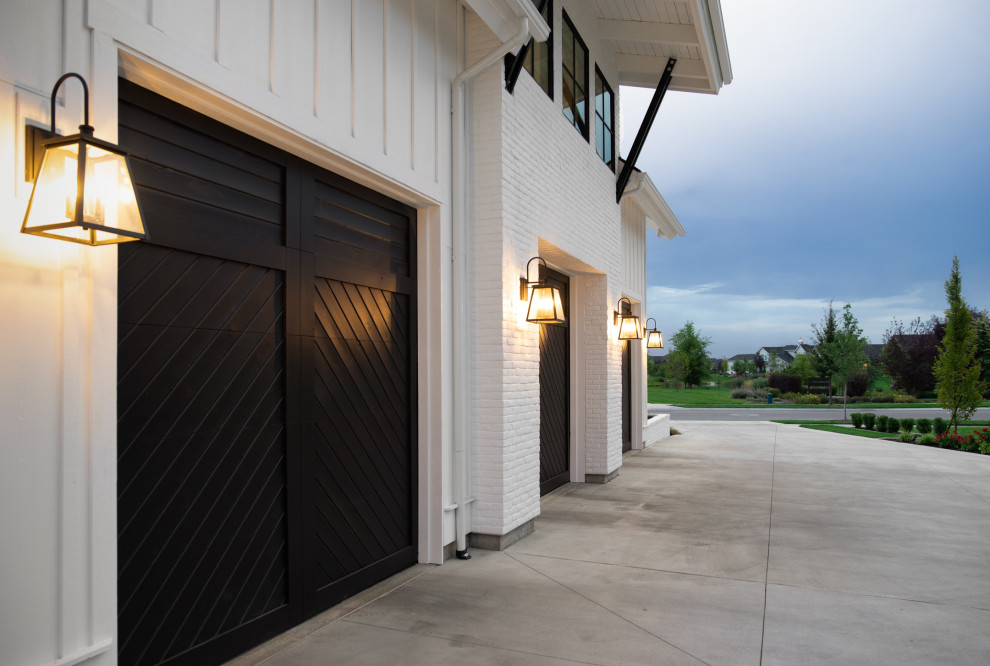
[734, 543]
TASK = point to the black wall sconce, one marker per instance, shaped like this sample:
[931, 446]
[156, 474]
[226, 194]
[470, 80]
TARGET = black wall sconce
[83, 192]
[654, 339]
[545, 306]
[629, 326]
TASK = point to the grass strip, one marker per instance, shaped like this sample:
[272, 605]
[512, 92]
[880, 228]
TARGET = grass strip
[847, 430]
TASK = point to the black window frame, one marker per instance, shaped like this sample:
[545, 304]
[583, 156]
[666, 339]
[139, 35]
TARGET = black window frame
[567, 73]
[600, 124]
[543, 49]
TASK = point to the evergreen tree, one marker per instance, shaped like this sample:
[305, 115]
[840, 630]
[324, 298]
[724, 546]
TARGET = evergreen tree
[694, 351]
[957, 373]
[823, 352]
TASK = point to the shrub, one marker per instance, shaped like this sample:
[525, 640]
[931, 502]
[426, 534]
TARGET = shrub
[786, 383]
[882, 423]
[971, 444]
[790, 397]
[739, 393]
[857, 419]
[761, 383]
[893, 425]
[869, 420]
[925, 427]
[939, 426]
[905, 436]
[809, 399]
[774, 391]
[901, 398]
[907, 424]
[949, 440]
[985, 441]
[927, 439]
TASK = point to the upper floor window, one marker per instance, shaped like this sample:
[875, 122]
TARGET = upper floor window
[604, 120]
[574, 68]
[538, 62]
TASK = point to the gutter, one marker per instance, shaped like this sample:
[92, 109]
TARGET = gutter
[460, 288]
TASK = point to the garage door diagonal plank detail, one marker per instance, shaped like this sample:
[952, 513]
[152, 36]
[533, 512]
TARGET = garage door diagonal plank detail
[361, 466]
[201, 444]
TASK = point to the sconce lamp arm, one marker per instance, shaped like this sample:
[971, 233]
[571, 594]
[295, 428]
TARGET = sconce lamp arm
[85, 127]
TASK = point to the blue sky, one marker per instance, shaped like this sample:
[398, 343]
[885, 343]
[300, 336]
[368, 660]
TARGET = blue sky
[849, 160]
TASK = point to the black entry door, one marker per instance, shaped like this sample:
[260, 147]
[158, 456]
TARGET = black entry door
[555, 394]
[626, 396]
[266, 390]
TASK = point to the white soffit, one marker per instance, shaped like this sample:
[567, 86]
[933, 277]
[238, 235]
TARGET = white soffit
[502, 17]
[643, 34]
[659, 215]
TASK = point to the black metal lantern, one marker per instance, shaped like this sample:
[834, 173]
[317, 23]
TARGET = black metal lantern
[654, 339]
[629, 326]
[83, 192]
[545, 305]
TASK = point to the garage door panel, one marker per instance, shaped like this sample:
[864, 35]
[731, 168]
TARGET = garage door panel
[247, 213]
[353, 492]
[196, 379]
[349, 264]
[189, 290]
[266, 438]
[211, 231]
[221, 154]
[187, 547]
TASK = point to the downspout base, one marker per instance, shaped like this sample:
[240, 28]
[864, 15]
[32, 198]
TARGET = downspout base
[463, 555]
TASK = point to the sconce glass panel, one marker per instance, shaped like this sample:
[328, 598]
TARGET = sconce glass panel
[545, 306]
[629, 328]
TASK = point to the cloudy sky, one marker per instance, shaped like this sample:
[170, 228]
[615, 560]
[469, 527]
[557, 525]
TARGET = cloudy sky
[849, 160]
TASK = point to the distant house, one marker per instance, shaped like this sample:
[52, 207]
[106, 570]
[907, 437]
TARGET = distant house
[784, 355]
[874, 352]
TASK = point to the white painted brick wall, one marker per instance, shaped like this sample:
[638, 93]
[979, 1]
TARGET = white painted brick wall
[536, 179]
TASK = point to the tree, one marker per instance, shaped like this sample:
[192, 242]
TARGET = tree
[724, 367]
[759, 362]
[802, 365]
[824, 339]
[676, 366]
[909, 354]
[694, 350]
[742, 366]
[957, 373]
[849, 351]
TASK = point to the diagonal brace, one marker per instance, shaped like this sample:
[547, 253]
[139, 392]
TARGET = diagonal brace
[644, 129]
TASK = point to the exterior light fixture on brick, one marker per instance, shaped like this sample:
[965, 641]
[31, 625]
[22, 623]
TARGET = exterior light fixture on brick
[545, 305]
[629, 326]
[654, 339]
[83, 191]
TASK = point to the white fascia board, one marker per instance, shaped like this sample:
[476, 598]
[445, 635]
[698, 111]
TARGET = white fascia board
[659, 215]
[715, 47]
[502, 16]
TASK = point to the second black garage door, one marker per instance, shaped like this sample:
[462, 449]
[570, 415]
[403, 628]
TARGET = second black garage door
[266, 389]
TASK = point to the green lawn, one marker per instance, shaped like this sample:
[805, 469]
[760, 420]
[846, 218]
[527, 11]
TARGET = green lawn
[846, 429]
[706, 396]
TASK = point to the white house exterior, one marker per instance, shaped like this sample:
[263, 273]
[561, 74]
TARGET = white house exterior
[356, 175]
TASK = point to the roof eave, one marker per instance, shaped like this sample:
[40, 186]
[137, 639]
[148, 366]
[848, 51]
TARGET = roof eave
[659, 215]
[502, 17]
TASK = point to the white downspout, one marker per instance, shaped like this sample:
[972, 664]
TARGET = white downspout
[460, 306]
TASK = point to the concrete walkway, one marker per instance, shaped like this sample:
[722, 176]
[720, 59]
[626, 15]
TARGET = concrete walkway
[734, 543]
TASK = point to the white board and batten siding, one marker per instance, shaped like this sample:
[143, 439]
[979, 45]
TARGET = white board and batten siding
[373, 108]
[359, 86]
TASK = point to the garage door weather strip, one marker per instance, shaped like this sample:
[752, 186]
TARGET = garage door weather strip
[460, 290]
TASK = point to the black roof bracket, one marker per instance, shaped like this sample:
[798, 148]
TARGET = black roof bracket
[644, 129]
[514, 64]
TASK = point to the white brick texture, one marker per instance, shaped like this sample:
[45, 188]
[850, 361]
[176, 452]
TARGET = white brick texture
[536, 183]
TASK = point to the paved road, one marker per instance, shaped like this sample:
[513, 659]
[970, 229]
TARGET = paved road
[772, 413]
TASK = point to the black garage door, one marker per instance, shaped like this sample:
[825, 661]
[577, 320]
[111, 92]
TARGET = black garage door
[555, 430]
[266, 390]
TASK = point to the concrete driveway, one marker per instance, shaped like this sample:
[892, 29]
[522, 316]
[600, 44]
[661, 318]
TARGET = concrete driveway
[733, 543]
